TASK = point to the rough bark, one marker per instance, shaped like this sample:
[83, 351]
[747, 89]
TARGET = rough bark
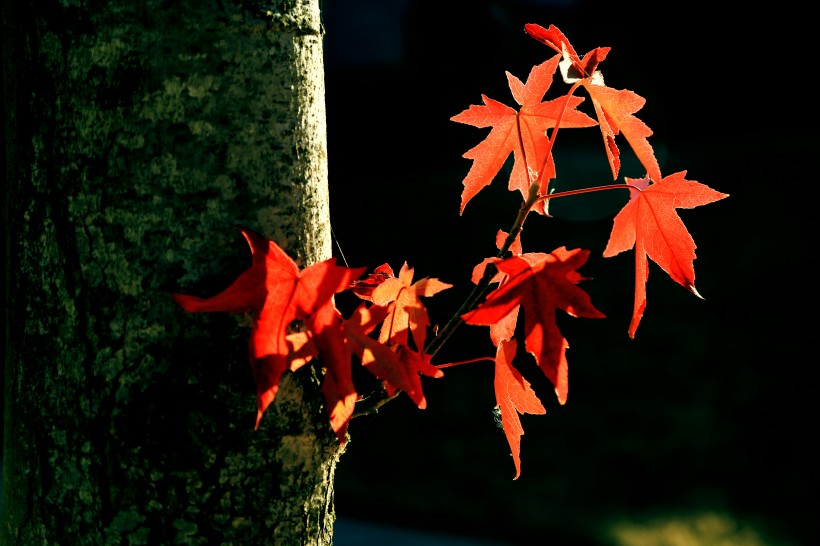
[138, 134]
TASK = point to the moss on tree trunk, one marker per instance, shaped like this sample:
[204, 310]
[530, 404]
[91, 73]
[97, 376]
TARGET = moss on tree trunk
[143, 131]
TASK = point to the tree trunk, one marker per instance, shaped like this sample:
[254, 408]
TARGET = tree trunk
[137, 135]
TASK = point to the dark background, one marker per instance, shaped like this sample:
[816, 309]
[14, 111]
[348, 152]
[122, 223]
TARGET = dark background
[703, 425]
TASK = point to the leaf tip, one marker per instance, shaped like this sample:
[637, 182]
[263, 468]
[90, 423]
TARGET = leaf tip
[694, 290]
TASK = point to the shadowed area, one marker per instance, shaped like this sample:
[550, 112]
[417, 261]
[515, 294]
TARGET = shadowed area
[695, 431]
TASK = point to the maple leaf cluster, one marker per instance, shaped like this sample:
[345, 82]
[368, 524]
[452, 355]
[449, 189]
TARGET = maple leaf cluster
[295, 319]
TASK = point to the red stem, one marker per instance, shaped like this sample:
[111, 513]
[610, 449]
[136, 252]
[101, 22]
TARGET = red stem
[470, 361]
[588, 190]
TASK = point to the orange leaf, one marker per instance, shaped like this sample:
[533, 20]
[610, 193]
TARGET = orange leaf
[541, 284]
[650, 224]
[614, 108]
[399, 370]
[511, 129]
[514, 395]
[406, 311]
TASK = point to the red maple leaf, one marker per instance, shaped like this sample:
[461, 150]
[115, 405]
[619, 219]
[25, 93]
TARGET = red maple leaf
[406, 312]
[541, 284]
[504, 329]
[400, 369]
[277, 294]
[513, 395]
[614, 107]
[511, 129]
[650, 223]
[364, 288]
